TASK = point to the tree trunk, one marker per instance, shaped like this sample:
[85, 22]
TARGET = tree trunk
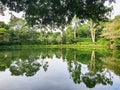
[75, 56]
[92, 61]
[75, 30]
[92, 30]
[93, 35]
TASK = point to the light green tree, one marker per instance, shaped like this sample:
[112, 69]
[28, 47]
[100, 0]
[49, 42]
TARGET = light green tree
[111, 30]
[4, 36]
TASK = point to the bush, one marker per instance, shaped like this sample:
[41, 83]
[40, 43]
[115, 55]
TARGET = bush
[117, 43]
[103, 41]
[84, 40]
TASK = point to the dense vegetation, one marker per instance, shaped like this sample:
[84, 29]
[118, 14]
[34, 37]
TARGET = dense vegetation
[76, 21]
[17, 32]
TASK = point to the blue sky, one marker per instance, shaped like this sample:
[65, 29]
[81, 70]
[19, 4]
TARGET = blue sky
[116, 11]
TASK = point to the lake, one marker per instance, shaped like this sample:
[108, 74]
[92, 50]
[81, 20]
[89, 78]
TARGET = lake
[59, 69]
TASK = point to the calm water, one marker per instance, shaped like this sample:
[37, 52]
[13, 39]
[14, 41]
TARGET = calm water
[59, 69]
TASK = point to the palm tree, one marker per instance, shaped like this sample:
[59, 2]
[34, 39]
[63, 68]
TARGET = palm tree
[75, 23]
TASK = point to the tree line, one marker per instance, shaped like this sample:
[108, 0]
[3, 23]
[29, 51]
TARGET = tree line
[60, 13]
[19, 32]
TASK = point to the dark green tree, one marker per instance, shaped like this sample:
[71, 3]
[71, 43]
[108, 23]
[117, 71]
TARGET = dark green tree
[59, 12]
[3, 25]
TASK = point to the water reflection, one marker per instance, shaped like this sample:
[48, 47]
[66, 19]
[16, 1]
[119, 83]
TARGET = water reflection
[98, 64]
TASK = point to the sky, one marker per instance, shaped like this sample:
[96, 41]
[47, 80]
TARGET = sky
[6, 18]
[116, 8]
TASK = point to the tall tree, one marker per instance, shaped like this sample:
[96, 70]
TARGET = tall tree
[59, 12]
[111, 30]
[75, 23]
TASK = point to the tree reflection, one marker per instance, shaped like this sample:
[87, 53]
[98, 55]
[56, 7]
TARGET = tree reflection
[29, 68]
[75, 71]
[112, 61]
[20, 67]
[95, 76]
[90, 78]
[29, 62]
[74, 67]
[22, 62]
[92, 62]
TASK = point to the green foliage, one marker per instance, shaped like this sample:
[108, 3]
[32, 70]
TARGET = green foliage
[84, 40]
[59, 39]
[117, 43]
[56, 11]
[83, 31]
[26, 35]
[2, 30]
[103, 41]
[4, 36]
[68, 36]
[111, 30]
[3, 25]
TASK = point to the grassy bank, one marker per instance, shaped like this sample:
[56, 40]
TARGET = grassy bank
[53, 46]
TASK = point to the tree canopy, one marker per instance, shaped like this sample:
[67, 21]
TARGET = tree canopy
[111, 29]
[59, 12]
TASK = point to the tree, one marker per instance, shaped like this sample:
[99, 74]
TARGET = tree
[67, 36]
[3, 25]
[75, 23]
[59, 12]
[4, 36]
[50, 37]
[17, 23]
[111, 30]
[59, 39]
[83, 31]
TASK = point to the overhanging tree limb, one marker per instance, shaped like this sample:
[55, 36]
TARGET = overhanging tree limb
[59, 12]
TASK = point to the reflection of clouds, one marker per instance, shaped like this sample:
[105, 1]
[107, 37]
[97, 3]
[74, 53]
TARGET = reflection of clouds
[57, 74]
[28, 67]
[24, 67]
[14, 63]
[84, 68]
